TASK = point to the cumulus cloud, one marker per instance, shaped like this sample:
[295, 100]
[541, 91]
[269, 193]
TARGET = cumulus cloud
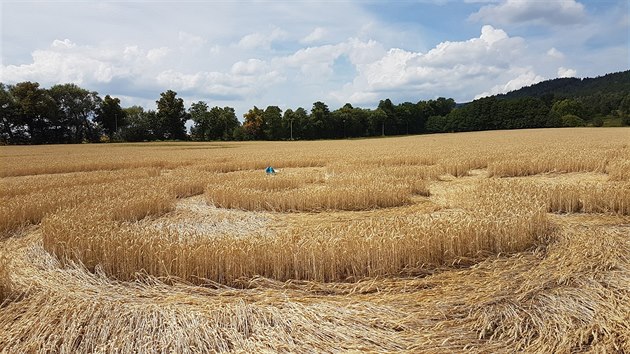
[218, 85]
[454, 68]
[526, 77]
[552, 12]
[156, 54]
[65, 61]
[66, 43]
[249, 67]
[260, 39]
[313, 62]
[317, 35]
[492, 42]
[554, 53]
[565, 72]
[491, 63]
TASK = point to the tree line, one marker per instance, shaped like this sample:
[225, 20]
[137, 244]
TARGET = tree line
[574, 87]
[562, 102]
[493, 113]
[67, 113]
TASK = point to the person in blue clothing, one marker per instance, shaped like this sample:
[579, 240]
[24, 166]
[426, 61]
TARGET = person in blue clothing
[270, 170]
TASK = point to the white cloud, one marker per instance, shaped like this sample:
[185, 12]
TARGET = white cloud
[128, 67]
[157, 54]
[492, 35]
[554, 53]
[220, 85]
[552, 12]
[565, 72]
[68, 62]
[244, 80]
[314, 62]
[317, 35]
[526, 78]
[131, 52]
[456, 69]
[492, 43]
[261, 40]
[249, 67]
[66, 43]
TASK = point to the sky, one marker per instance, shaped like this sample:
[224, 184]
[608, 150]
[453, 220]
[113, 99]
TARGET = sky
[293, 53]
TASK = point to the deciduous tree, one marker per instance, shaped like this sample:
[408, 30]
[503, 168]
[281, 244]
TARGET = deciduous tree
[76, 110]
[253, 124]
[171, 116]
[110, 116]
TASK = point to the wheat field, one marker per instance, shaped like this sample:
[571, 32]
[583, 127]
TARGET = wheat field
[479, 242]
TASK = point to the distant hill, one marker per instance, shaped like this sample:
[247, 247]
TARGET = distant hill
[574, 87]
[567, 102]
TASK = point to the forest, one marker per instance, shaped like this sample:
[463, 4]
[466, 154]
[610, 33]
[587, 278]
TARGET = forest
[67, 113]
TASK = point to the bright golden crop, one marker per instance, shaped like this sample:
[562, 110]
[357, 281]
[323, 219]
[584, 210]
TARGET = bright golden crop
[488, 242]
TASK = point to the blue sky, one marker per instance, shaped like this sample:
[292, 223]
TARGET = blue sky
[293, 53]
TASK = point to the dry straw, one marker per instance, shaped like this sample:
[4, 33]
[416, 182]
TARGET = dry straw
[374, 247]
[619, 170]
[6, 286]
[477, 266]
[580, 197]
[571, 296]
[317, 192]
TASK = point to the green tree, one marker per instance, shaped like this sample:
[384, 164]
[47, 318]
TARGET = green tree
[221, 124]
[320, 120]
[253, 124]
[408, 115]
[377, 120]
[436, 124]
[76, 109]
[390, 119]
[139, 124]
[296, 123]
[568, 107]
[13, 129]
[202, 124]
[171, 116]
[571, 120]
[288, 118]
[110, 116]
[442, 106]
[36, 111]
[344, 117]
[272, 118]
[624, 110]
